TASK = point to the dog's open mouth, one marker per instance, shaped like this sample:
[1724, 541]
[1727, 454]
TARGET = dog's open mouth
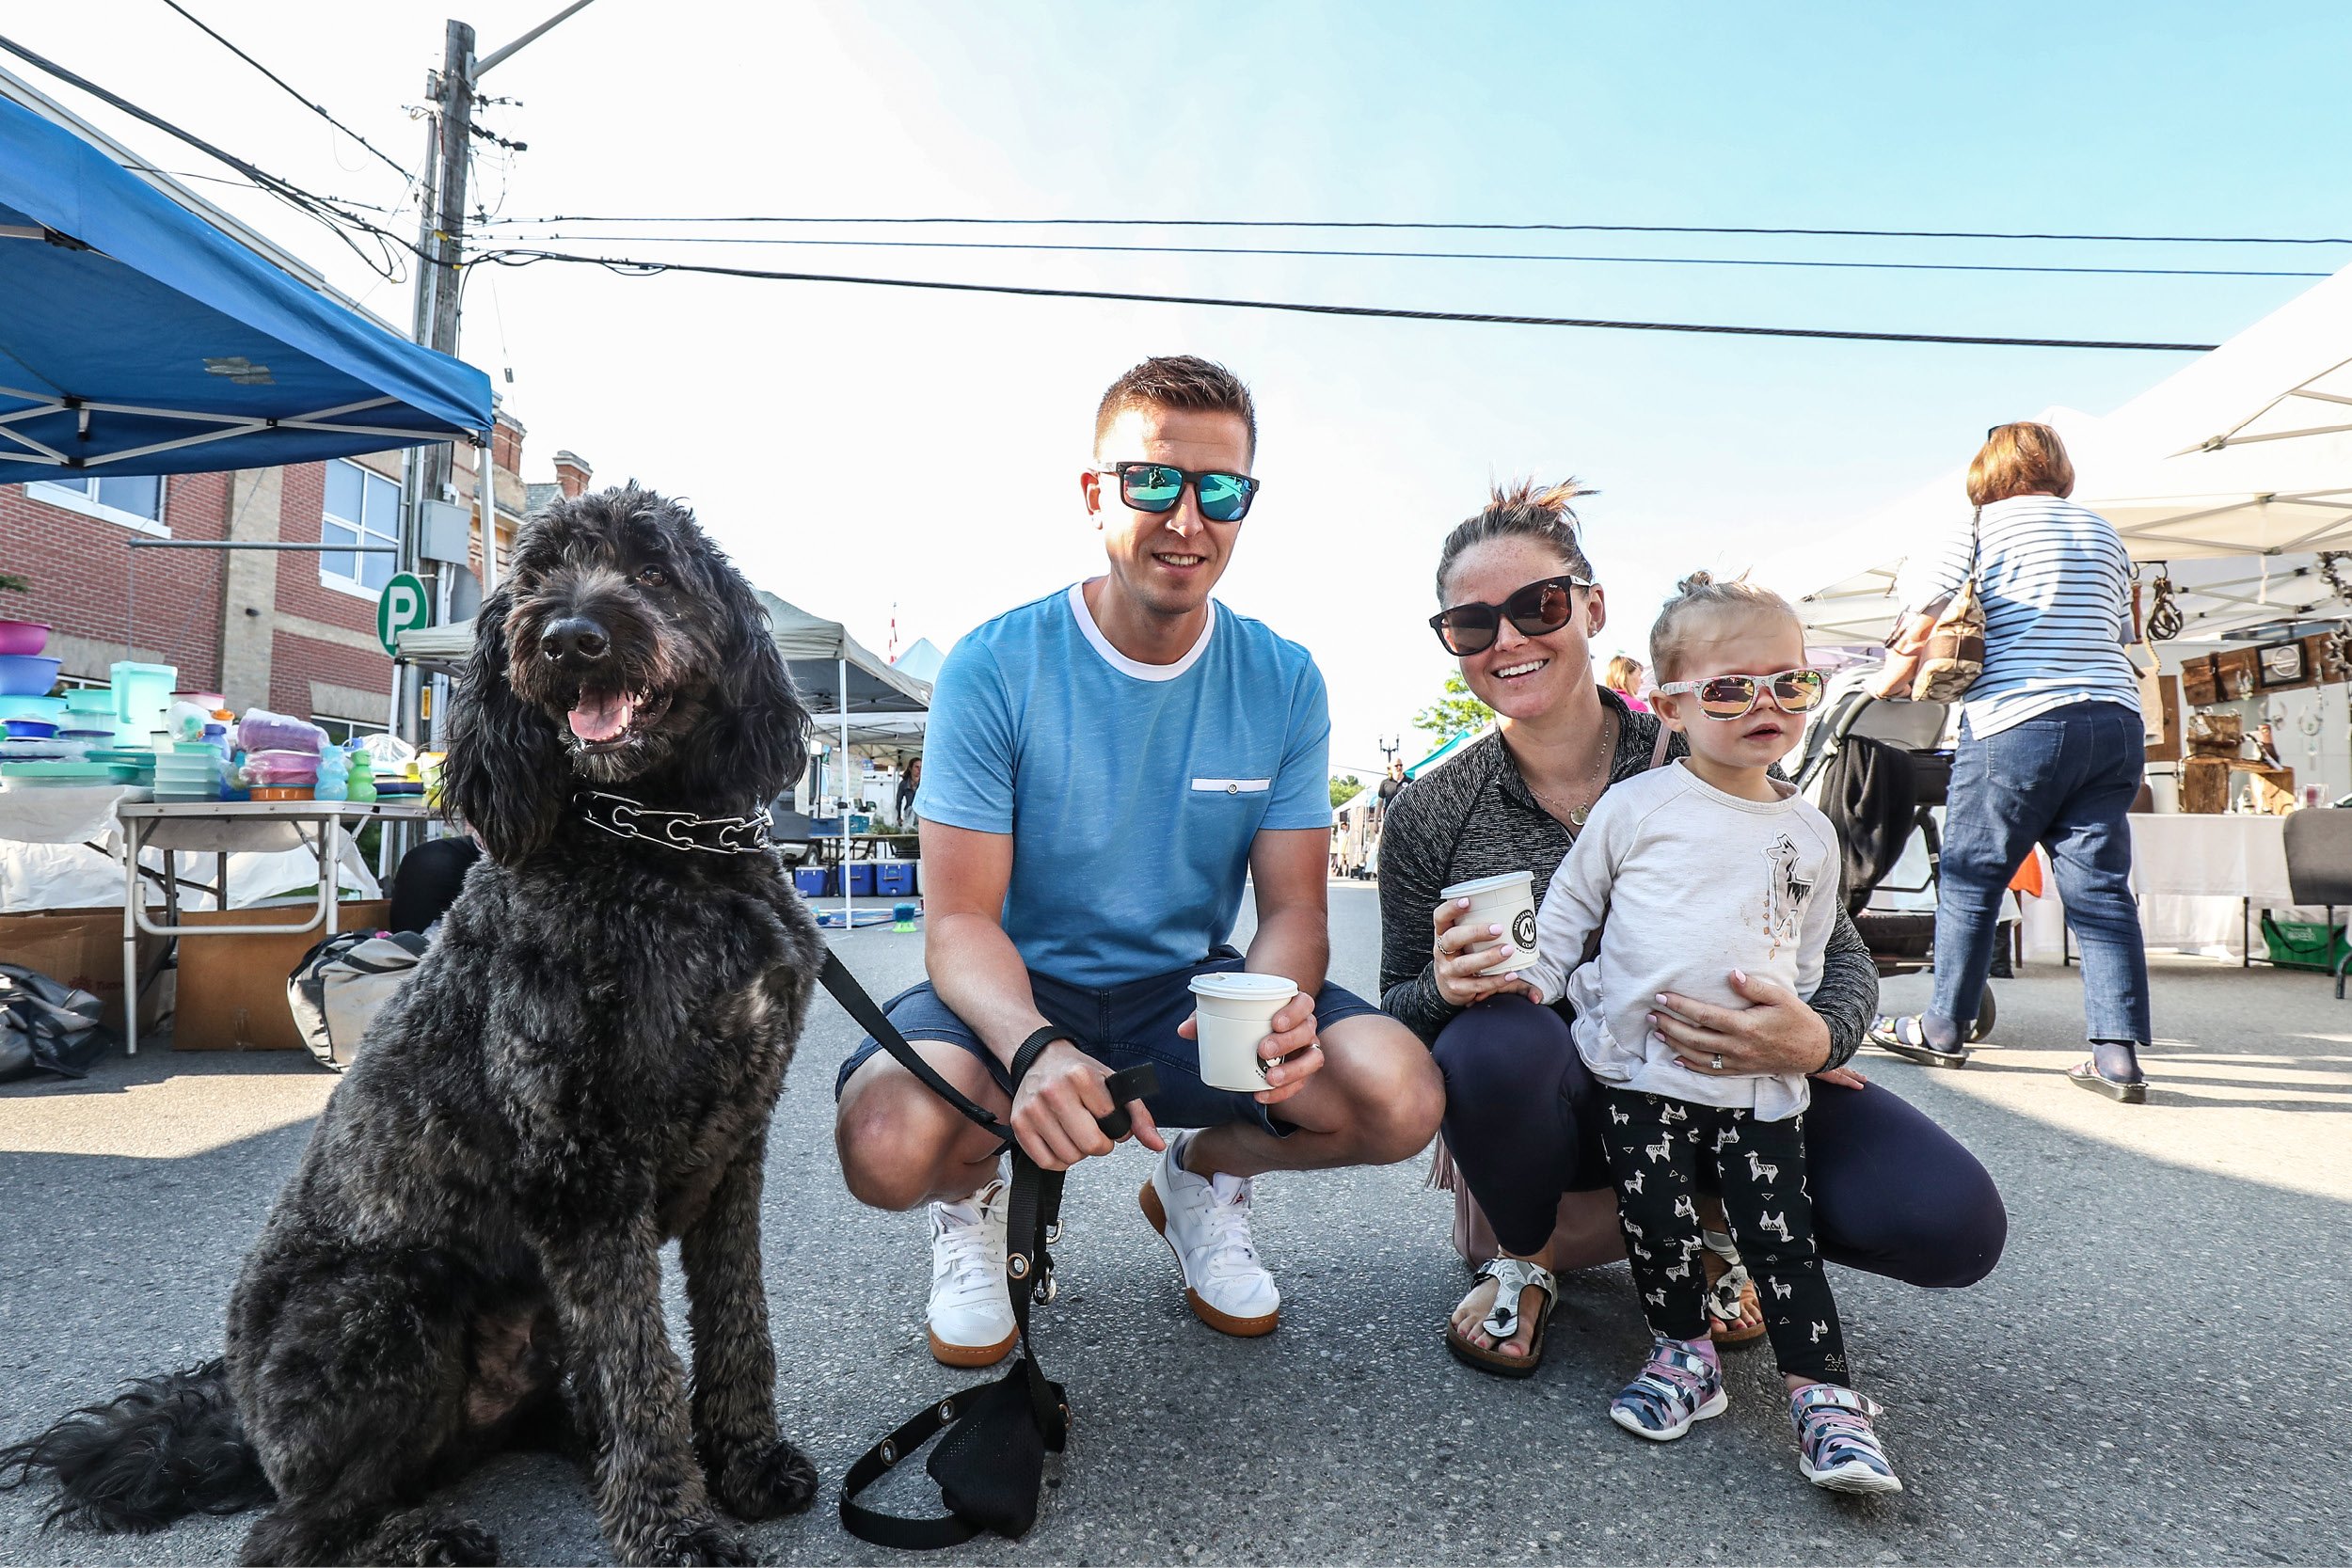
[606, 720]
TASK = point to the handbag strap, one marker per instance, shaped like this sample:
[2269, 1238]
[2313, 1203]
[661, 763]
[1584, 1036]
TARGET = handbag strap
[1032, 1221]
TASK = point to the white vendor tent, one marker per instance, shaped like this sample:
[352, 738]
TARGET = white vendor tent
[2195, 473]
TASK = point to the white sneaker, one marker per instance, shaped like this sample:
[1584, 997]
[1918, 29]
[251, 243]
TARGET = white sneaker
[970, 1317]
[1205, 1223]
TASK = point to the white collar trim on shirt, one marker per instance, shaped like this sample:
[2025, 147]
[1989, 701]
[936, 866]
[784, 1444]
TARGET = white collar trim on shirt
[1120, 661]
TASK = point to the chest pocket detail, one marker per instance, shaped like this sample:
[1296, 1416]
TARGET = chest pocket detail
[1232, 786]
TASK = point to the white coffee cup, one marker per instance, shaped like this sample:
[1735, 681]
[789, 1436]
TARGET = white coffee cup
[1235, 1010]
[1507, 901]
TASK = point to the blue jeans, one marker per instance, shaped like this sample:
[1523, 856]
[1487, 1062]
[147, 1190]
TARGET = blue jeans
[2063, 780]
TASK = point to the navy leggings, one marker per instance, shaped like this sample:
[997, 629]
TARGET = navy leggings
[1893, 1193]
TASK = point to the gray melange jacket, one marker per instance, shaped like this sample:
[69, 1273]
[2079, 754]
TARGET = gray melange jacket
[1474, 817]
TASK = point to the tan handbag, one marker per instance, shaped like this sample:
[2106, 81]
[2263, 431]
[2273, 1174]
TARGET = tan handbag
[1938, 654]
[1952, 656]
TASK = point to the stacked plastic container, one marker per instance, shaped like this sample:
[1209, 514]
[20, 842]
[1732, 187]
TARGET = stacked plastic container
[281, 756]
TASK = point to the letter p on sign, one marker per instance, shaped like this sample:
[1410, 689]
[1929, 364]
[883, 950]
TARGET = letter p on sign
[401, 607]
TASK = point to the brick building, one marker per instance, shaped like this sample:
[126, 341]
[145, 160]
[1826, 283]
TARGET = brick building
[293, 631]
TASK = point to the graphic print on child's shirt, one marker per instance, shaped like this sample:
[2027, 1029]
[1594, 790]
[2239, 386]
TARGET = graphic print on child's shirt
[1785, 894]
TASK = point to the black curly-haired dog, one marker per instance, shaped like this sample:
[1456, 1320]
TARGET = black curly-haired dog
[583, 1067]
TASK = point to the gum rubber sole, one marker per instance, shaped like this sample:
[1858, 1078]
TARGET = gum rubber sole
[971, 1356]
[1240, 1328]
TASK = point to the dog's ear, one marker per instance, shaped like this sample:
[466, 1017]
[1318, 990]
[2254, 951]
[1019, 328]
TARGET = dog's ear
[757, 739]
[506, 776]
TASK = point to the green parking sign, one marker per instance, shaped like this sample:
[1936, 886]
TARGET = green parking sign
[402, 608]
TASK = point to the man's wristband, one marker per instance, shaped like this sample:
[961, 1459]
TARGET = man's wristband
[1031, 1049]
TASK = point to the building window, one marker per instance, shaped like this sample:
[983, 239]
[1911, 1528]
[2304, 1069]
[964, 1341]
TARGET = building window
[133, 500]
[362, 508]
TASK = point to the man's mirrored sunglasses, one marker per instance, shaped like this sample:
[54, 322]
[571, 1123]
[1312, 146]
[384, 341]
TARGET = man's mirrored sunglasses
[1158, 486]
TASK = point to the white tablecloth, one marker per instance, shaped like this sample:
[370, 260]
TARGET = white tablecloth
[46, 861]
[2193, 875]
[2214, 857]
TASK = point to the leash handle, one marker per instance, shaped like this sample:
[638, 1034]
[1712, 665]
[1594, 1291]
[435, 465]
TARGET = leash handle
[1135, 1083]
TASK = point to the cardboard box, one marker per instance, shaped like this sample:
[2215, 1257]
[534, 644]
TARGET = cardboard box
[233, 989]
[84, 948]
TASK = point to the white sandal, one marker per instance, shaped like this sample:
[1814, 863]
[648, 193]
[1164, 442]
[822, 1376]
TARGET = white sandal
[1512, 1278]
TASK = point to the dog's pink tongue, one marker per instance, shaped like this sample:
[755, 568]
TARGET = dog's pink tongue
[602, 716]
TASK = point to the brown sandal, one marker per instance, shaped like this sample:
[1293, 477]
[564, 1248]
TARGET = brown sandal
[1730, 1296]
[1512, 1278]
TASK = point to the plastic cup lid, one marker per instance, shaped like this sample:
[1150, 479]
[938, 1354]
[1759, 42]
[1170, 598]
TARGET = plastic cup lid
[1236, 985]
[1520, 880]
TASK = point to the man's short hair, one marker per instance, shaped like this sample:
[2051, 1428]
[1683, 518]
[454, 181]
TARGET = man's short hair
[1177, 381]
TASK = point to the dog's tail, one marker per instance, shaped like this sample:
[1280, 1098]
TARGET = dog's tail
[164, 1447]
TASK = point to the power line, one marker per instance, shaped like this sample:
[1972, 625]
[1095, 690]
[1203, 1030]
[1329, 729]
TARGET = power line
[319, 208]
[1462, 227]
[641, 268]
[1420, 255]
[316, 109]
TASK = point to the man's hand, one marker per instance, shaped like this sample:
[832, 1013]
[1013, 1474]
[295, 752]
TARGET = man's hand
[1057, 1104]
[1292, 1051]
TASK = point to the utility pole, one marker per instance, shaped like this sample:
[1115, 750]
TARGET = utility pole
[442, 237]
[439, 293]
[428, 472]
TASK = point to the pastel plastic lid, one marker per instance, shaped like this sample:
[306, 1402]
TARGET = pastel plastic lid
[1239, 986]
[1490, 884]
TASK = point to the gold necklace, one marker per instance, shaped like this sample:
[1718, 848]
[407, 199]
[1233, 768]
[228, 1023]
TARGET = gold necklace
[1575, 816]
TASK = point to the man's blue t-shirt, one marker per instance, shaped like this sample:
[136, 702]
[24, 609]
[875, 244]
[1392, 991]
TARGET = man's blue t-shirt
[1132, 791]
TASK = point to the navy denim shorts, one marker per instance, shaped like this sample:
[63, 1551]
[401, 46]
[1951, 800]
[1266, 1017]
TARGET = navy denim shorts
[1119, 1028]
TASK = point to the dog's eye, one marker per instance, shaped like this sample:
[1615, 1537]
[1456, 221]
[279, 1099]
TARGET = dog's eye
[654, 576]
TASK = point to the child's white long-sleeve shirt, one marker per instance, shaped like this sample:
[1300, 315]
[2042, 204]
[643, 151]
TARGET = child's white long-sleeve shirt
[1683, 883]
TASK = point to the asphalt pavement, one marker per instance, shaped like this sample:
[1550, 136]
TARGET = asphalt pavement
[2150, 1376]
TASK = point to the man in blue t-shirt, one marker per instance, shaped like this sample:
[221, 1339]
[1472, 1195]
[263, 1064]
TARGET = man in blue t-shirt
[1104, 768]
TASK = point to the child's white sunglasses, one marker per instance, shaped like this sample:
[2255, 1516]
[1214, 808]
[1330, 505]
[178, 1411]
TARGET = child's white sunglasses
[1729, 697]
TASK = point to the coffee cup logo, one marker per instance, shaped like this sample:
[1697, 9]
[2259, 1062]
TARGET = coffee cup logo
[1523, 930]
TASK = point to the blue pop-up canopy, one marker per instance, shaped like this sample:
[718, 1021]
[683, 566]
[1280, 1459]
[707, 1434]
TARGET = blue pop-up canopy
[137, 338]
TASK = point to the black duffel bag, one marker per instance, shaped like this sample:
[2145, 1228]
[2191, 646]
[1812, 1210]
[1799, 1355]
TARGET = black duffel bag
[47, 1027]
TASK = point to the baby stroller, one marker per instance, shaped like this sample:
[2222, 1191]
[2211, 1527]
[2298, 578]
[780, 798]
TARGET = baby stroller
[1880, 772]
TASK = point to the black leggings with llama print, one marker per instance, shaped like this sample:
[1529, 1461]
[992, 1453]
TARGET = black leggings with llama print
[1655, 1147]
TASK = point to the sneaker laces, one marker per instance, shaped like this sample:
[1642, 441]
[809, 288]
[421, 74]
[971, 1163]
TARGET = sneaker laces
[968, 1246]
[1226, 1249]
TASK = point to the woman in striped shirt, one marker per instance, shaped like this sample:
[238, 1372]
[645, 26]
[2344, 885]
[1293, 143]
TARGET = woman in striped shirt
[2051, 751]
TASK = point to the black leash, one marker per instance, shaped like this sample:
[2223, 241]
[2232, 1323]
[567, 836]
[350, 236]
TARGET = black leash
[991, 1466]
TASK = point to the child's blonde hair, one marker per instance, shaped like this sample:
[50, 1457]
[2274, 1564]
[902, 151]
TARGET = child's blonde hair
[1699, 597]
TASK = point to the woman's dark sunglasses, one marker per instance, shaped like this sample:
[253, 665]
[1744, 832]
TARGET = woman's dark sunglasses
[1158, 486]
[1536, 609]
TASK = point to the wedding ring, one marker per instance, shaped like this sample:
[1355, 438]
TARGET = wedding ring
[1716, 1061]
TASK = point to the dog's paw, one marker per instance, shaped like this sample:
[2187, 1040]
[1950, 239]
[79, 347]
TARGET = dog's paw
[692, 1544]
[457, 1544]
[767, 1485]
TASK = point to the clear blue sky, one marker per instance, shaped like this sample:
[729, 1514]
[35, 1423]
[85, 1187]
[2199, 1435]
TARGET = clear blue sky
[861, 447]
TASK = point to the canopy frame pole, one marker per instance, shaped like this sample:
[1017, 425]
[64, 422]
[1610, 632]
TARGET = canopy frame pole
[485, 484]
[848, 903]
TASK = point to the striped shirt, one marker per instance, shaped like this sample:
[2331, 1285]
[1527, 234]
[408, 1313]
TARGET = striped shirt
[2056, 582]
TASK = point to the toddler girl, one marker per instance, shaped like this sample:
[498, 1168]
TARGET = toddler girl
[1679, 876]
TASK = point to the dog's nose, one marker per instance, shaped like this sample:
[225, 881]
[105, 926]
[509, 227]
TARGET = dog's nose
[575, 641]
